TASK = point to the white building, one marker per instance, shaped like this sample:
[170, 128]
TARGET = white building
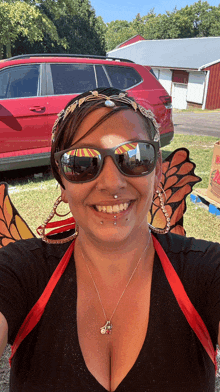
[188, 68]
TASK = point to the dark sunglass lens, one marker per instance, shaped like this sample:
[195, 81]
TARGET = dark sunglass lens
[81, 164]
[136, 158]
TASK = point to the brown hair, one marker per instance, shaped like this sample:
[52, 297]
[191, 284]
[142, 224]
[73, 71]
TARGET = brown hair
[66, 126]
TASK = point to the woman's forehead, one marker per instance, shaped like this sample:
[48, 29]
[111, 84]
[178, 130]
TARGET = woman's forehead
[125, 124]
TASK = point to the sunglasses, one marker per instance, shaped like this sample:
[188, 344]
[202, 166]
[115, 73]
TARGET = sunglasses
[84, 164]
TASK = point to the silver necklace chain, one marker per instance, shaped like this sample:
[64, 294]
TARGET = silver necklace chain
[107, 328]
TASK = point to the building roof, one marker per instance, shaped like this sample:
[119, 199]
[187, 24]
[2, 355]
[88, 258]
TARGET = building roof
[131, 40]
[192, 53]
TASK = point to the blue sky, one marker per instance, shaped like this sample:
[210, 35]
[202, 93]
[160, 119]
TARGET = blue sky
[128, 9]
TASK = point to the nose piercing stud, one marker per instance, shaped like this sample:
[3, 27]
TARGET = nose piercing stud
[115, 196]
[101, 223]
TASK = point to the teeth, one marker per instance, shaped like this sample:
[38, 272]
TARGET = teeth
[113, 209]
[116, 208]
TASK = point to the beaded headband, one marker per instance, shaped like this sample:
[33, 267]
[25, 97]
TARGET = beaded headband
[109, 102]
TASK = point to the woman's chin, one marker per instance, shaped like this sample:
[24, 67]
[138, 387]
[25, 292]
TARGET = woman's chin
[111, 234]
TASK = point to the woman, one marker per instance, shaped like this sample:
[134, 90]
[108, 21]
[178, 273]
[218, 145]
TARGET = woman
[112, 321]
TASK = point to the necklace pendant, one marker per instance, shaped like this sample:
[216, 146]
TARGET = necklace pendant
[106, 329]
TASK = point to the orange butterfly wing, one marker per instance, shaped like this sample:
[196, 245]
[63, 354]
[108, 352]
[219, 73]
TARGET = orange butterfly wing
[177, 180]
[12, 226]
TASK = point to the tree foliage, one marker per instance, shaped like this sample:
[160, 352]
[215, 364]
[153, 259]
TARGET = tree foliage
[18, 18]
[54, 26]
[82, 30]
[118, 32]
[57, 8]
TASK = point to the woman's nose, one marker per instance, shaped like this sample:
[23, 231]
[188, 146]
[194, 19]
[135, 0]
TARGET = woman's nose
[110, 177]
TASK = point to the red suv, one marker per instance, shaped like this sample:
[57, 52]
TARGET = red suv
[34, 88]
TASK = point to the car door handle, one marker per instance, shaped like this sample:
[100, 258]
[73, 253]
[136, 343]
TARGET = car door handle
[37, 108]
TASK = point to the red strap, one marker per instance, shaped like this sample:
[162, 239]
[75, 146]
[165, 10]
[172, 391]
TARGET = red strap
[184, 302]
[61, 229]
[62, 225]
[61, 222]
[36, 312]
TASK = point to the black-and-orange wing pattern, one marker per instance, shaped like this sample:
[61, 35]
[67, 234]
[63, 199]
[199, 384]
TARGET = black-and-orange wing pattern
[177, 181]
[12, 226]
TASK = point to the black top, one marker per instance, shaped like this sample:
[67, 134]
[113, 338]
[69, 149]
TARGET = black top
[49, 359]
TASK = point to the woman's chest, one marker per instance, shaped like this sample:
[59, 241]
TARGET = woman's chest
[151, 348]
[109, 357]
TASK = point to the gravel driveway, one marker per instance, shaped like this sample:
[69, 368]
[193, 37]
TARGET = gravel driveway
[202, 123]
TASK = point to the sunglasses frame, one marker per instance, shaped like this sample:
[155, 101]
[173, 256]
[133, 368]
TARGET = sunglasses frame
[105, 152]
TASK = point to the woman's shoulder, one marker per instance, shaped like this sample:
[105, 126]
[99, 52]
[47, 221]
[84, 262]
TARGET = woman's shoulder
[174, 243]
[191, 256]
[29, 250]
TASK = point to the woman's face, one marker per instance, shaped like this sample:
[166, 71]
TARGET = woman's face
[86, 199]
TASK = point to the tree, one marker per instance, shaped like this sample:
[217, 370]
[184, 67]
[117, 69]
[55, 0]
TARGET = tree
[153, 25]
[197, 20]
[143, 24]
[83, 31]
[118, 32]
[206, 19]
[101, 29]
[76, 24]
[176, 24]
[20, 18]
[57, 8]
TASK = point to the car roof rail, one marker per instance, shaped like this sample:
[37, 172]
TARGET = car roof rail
[89, 56]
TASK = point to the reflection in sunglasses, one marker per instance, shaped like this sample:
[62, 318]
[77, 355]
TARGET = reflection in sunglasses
[83, 164]
[83, 152]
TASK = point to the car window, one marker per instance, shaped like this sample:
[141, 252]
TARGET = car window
[4, 77]
[123, 77]
[20, 81]
[101, 76]
[72, 78]
[152, 72]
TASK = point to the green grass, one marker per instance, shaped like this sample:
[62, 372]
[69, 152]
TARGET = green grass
[34, 198]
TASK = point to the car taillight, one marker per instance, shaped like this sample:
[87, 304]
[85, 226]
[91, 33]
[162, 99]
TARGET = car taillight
[167, 101]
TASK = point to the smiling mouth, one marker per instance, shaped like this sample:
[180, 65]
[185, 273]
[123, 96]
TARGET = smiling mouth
[115, 209]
